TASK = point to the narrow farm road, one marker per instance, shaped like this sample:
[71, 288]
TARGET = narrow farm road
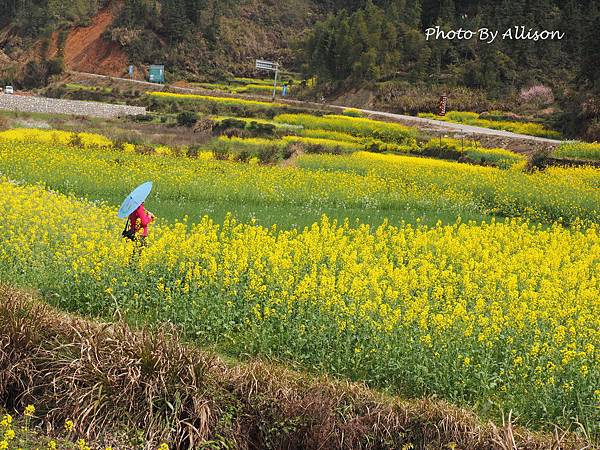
[412, 120]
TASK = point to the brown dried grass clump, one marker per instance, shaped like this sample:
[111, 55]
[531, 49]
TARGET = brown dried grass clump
[109, 378]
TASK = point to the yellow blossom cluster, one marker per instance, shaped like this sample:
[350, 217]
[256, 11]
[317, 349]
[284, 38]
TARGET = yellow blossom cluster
[56, 137]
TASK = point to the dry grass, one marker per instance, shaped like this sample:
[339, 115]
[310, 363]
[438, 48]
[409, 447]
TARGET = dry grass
[110, 378]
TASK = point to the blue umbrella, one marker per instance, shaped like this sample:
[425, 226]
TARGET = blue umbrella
[135, 199]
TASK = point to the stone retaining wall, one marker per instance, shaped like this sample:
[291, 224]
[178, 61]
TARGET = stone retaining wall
[58, 106]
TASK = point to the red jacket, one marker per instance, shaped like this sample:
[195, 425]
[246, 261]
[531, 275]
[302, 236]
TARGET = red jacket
[143, 217]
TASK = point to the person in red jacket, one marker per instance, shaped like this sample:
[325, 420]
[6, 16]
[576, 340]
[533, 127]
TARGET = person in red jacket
[139, 220]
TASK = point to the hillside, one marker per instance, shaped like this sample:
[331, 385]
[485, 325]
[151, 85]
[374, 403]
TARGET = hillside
[219, 38]
[377, 44]
[86, 49]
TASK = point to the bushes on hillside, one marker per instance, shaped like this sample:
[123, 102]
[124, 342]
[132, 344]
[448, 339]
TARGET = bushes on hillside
[187, 119]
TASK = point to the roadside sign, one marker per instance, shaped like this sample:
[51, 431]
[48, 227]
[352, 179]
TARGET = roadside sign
[263, 64]
[442, 105]
[266, 65]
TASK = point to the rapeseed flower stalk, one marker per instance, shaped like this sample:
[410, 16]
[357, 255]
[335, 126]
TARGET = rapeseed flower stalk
[69, 426]
[29, 411]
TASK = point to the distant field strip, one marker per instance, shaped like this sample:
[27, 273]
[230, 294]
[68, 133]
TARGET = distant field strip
[475, 119]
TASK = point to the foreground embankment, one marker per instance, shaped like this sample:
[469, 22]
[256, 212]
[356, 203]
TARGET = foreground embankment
[110, 378]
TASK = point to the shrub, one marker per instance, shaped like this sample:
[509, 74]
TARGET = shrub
[144, 149]
[228, 124]
[35, 75]
[193, 151]
[593, 130]
[220, 153]
[204, 125]
[377, 146]
[55, 66]
[537, 95]
[538, 159]
[243, 156]
[261, 129]
[436, 149]
[142, 118]
[312, 148]
[269, 154]
[187, 119]
[76, 141]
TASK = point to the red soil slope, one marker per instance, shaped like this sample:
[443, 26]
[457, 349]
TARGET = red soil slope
[86, 50]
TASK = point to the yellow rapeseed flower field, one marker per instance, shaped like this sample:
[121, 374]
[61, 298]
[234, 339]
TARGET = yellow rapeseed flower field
[472, 118]
[384, 185]
[503, 314]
